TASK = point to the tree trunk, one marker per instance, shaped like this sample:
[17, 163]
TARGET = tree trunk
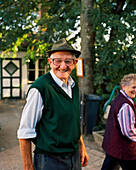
[86, 84]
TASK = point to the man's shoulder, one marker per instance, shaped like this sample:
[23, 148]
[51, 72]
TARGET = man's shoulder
[43, 79]
[75, 83]
[42, 83]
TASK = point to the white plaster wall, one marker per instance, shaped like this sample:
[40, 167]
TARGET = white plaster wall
[25, 85]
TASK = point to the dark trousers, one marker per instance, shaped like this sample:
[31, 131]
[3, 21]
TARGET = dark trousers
[44, 162]
[110, 163]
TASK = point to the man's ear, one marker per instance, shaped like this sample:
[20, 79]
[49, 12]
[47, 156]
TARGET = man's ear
[49, 61]
[75, 62]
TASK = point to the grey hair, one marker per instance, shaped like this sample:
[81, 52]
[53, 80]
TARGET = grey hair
[127, 79]
[73, 55]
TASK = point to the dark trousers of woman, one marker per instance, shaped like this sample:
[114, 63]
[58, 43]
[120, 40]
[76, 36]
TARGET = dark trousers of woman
[45, 162]
[110, 163]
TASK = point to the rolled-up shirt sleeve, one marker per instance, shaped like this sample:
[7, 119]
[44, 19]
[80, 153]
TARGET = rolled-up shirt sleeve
[31, 114]
[126, 118]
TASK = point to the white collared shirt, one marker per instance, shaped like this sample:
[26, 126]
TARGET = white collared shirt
[32, 111]
[67, 89]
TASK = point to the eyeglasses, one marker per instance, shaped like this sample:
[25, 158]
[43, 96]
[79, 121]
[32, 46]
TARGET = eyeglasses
[58, 61]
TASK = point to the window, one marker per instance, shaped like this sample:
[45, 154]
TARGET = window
[41, 68]
[35, 70]
[31, 71]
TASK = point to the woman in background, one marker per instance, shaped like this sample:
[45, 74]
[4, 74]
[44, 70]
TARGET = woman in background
[120, 134]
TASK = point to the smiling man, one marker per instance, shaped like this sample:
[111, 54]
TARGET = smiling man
[51, 116]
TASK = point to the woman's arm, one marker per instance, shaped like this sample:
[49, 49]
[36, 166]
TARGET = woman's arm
[126, 119]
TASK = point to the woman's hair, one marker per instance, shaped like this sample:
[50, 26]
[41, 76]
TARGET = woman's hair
[127, 79]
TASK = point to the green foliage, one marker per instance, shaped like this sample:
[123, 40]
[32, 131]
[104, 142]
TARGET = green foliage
[59, 19]
[22, 26]
[16, 19]
[114, 56]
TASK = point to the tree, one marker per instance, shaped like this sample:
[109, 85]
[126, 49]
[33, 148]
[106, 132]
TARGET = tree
[115, 56]
[87, 47]
[109, 30]
[21, 22]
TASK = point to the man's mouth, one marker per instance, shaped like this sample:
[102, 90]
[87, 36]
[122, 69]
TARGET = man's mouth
[63, 71]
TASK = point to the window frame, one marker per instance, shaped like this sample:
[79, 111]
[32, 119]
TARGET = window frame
[36, 70]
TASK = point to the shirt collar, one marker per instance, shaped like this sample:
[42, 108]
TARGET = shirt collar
[60, 82]
[127, 96]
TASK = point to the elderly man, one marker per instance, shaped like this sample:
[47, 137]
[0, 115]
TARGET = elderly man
[51, 116]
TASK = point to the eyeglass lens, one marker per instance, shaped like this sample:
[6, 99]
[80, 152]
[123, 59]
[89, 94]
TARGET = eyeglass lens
[58, 61]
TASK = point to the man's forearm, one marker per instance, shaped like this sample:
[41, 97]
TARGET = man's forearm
[26, 152]
[83, 154]
[81, 143]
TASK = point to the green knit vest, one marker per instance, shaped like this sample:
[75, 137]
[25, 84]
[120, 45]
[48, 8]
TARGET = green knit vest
[58, 131]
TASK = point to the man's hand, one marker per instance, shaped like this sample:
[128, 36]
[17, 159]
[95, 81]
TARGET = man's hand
[83, 154]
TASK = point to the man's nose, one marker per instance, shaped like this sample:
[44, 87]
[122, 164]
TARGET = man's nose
[63, 64]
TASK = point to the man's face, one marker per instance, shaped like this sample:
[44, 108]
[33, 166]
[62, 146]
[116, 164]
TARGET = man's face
[130, 89]
[62, 63]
